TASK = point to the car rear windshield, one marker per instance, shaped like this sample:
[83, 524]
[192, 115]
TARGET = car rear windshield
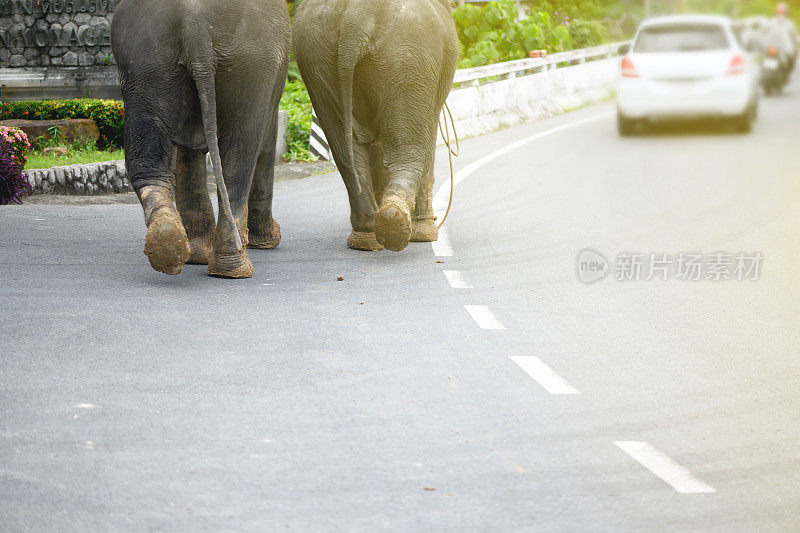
[681, 38]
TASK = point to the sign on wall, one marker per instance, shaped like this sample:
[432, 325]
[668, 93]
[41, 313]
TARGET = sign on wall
[45, 33]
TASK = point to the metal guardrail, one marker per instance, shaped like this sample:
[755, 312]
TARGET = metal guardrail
[471, 77]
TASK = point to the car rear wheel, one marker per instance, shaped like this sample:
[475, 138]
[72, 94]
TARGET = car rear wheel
[744, 122]
[626, 126]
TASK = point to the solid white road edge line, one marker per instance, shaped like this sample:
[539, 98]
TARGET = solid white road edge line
[544, 375]
[442, 247]
[484, 317]
[456, 279]
[662, 466]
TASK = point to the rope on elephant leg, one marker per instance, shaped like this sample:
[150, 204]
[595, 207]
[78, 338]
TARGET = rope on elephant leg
[445, 133]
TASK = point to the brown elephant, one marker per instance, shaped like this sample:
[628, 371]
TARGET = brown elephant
[378, 73]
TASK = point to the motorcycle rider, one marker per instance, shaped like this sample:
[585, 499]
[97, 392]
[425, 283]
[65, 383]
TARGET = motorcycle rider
[781, 33]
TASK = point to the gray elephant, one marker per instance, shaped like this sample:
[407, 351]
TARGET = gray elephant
[201, 77]
[378, 73]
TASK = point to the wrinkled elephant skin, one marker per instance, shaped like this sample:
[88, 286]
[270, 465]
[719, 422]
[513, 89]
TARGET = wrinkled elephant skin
[378, 73]
[197, 77]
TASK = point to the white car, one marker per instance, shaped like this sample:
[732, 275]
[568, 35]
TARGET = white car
[686, 66]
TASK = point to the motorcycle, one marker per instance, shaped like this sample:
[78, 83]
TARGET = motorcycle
[775, 71]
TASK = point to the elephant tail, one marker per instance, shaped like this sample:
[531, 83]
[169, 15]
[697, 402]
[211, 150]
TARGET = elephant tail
[349, 56]
[207, 92]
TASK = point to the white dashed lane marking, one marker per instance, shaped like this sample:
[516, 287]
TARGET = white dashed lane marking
[665, 468]
[456, 279]
[544, 375]
[484, 317]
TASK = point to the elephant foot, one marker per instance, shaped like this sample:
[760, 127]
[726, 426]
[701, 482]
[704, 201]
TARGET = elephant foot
[265, 240]
[393, 224]
[166, 245]
[361, 240]
[202, 252]
[424, 230]
[235, 265]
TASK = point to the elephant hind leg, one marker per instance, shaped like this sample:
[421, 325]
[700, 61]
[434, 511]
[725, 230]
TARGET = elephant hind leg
[380, 177]
[423, 221]
[263, 231]
[194, 205]
[362, 210]
[393, 224]
[148, 159]
[359, 240]
[362, 216]
[406, 165]
[166, 245]
[239, 159]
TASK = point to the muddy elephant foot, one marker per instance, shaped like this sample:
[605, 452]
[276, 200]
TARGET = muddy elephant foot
[424, 230]
[201, 250]
[234, 265]
[265, 238]
[166, 244]
[393, 224]
[361, 240]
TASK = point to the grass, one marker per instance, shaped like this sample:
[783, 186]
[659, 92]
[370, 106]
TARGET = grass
[39, 160]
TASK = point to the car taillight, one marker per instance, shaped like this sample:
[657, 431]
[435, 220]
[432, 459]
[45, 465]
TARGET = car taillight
[772, 51]
[738, 65]
[628, 70]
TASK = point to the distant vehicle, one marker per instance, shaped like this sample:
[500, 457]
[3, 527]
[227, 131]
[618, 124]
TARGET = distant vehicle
[775, 71]
[684, 67]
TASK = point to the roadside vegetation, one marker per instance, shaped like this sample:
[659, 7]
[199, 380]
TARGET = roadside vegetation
[109, 115]
[297, 104]
[493, 34]
[13, 185]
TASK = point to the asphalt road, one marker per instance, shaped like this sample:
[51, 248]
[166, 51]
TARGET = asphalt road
[132, 401]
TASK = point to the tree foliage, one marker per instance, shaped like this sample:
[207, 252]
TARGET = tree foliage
[492, 34]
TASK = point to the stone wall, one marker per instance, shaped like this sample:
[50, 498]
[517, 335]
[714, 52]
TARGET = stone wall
[94, 178]
[44, 33]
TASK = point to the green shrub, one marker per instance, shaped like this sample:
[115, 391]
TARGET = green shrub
[492, 34]
[297, 104]
[109, 115]
[587, 34]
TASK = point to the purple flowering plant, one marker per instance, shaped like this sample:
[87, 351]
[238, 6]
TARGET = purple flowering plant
[13, 183]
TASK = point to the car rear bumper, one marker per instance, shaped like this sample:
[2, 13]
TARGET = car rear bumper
[719, 97]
